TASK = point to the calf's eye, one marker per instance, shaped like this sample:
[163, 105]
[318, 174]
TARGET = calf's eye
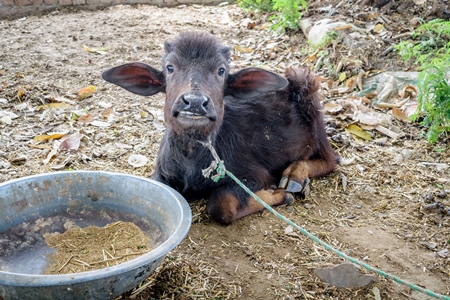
[169, 69]
[221, 71]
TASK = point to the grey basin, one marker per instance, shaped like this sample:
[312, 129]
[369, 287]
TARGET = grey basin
[35, 205]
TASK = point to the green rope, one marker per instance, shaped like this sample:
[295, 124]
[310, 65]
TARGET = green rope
[220, 173]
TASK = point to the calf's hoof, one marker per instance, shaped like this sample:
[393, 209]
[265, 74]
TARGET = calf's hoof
[290, 198]
[292, 186]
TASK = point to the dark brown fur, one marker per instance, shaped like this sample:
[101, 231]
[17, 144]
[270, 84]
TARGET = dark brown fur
[268, 130]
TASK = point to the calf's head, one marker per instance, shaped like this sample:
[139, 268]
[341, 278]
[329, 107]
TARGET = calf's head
[195, 77]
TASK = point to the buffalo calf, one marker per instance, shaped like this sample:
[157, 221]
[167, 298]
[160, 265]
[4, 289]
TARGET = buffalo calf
[268, 129]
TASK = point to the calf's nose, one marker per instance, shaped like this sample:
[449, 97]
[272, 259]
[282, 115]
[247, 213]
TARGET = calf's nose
[195, 102]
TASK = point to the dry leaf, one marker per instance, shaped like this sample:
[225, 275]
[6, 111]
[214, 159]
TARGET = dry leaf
[9, 114]
[21, 92]
[86, 119]
[53, 105]
[100, 124]
[106, 113]
[242, 49]
[400, 115]
[359, 132]
[52, 98]
[350, 83]
[289, 230]
[98, 51]
[6, 120]
[378, 28]
[45, 137]
[332, 107]
[50, 155]
[71, 142]
[86, 92]
[408, 91]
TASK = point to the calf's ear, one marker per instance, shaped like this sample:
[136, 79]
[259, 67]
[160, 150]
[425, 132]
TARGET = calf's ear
[252, 82]
[137, 78]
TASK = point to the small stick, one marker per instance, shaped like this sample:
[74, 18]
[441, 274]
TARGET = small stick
[108, 254]
[113, 224]
[65, 264]
[82, 262]
[117, 258]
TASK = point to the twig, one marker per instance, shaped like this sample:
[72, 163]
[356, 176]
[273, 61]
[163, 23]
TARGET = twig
[65, 264]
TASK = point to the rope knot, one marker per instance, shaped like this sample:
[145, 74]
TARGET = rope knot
[217, 165]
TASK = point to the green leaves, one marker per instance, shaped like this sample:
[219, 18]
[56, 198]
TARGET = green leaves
[288, 11]
[430, 50]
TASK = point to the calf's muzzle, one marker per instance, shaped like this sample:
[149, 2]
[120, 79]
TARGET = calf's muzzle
[194, 105]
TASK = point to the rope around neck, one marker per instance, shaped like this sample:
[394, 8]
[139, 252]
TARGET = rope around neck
[218, 166]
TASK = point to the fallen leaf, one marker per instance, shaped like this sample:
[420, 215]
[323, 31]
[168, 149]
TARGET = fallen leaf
[20, 92]
[63, 164]
[100, 124]
[342, 77]
[400, 115]
[45, 137]
[71, 142]
[242, 49]
[9, 114]
[289, 230]
[106, 113]
[86, 92]
[53, 105]
[350, 82]
[137, 160]
[359, 132]
[332, 107]
[98, 50]
[408, 91]
[86, 118]
[370, 118]
[21, 106]
[6, 120]
[344, 275]
[251, 25]
[52, 153]
[378, 28]
[52, 98]
[343, 27]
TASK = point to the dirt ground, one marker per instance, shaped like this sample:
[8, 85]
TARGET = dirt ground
[387, 203]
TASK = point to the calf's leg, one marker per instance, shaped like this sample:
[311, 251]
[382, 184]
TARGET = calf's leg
[296, 176]
[225, 208]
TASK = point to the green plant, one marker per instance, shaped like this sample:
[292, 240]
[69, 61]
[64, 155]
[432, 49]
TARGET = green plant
[434, 100]
[286, 13]
[430, 50]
